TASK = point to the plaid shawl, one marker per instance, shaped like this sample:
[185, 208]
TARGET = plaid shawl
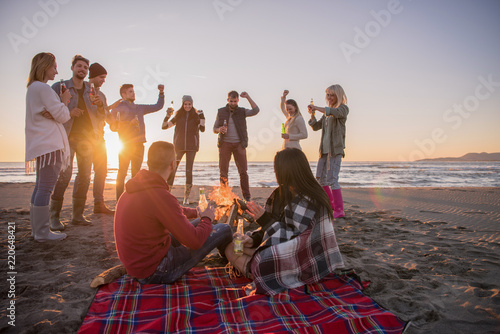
[300, 249]
[207, 300]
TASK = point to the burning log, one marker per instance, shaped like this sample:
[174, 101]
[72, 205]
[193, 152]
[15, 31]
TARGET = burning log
[228, 206]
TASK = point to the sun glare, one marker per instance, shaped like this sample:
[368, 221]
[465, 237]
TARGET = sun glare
[113, 146]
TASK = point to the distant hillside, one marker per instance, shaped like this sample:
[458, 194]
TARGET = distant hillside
[470, 157]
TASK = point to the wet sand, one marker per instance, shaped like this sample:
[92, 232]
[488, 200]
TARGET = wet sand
[431, 254]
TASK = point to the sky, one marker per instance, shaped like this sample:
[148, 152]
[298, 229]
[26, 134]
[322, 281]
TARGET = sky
[422, 78]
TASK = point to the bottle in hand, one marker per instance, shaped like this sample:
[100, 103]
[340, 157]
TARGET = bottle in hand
[202, 204]
[238, 238]
[93, 93]
[62, 87]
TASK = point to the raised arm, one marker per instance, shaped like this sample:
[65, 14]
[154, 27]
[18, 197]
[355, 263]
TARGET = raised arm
[150, 108]
[255, 109]
[282, 104]
[341, 112]
[201, 115]
[166, 123]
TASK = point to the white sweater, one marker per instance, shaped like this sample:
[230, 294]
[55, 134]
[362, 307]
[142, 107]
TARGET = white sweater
[45, 135]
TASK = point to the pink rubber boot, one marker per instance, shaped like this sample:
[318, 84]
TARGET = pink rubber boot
[328, 191]
[338, 203]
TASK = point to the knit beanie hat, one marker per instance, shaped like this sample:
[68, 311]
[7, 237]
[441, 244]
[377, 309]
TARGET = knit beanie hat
[96, 70]
[187, 98]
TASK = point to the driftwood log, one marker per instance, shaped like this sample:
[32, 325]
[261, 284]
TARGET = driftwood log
[108, 276]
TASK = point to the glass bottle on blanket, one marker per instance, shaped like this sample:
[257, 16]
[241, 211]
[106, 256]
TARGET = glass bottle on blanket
[238, 238]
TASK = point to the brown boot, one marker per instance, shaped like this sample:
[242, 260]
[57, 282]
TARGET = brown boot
[78, 208]
[100, 207]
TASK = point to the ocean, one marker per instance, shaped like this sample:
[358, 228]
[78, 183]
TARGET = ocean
[352, 174]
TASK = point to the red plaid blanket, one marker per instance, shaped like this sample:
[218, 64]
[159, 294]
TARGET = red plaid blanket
[206, 300]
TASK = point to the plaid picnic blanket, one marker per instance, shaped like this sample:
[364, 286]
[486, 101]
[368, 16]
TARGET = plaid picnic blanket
[206, 300]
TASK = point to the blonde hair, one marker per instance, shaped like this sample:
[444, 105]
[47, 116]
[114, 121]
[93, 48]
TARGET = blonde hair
[39, 65]
[339, 93]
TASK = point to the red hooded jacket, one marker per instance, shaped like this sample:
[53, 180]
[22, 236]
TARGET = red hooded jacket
[146, 216]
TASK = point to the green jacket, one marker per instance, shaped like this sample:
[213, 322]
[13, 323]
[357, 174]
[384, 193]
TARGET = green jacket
[333, 121]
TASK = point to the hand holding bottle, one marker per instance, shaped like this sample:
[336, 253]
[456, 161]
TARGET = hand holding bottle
[208, 212]
[65, 96]
[223, 128]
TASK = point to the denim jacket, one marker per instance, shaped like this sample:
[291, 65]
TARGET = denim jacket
[96, 114]
[127, 111]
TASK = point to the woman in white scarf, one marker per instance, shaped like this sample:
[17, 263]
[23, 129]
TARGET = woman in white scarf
[46, 140]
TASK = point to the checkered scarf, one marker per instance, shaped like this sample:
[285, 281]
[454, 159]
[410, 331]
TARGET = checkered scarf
[300, 249]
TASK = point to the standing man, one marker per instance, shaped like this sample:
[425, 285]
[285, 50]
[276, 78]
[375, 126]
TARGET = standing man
[128, 120]
[231, 125]
[97, 76]
[82, 133]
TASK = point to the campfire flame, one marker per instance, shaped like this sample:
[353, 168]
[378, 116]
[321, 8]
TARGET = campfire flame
[224, 197]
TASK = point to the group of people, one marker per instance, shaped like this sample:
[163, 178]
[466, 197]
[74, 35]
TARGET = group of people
[155, 241]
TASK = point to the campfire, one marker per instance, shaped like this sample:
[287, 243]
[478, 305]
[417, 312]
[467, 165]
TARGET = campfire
[229, 207]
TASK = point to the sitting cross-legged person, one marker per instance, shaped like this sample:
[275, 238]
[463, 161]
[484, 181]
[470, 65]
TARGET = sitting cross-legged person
[154, 239]
[296, 243]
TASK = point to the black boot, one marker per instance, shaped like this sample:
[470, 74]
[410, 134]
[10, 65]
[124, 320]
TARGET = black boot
[100, 207]
[78, 207]
[55, 214]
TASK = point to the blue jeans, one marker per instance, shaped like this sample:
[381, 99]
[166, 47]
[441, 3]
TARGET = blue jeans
[100, 170]
[46, 178]
[328, 174]
[180, 259]
[84, 151]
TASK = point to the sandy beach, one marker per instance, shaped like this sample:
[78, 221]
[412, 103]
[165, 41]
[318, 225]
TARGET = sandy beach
[432, 256]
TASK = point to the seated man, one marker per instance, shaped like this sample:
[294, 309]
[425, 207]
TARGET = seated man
[154, 239]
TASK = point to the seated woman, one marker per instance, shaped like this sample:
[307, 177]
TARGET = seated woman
[296, 243]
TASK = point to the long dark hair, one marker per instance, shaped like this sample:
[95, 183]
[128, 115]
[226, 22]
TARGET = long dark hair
[182, 111]
[292, 170]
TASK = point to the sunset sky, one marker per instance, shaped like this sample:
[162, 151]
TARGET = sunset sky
[422, 77]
